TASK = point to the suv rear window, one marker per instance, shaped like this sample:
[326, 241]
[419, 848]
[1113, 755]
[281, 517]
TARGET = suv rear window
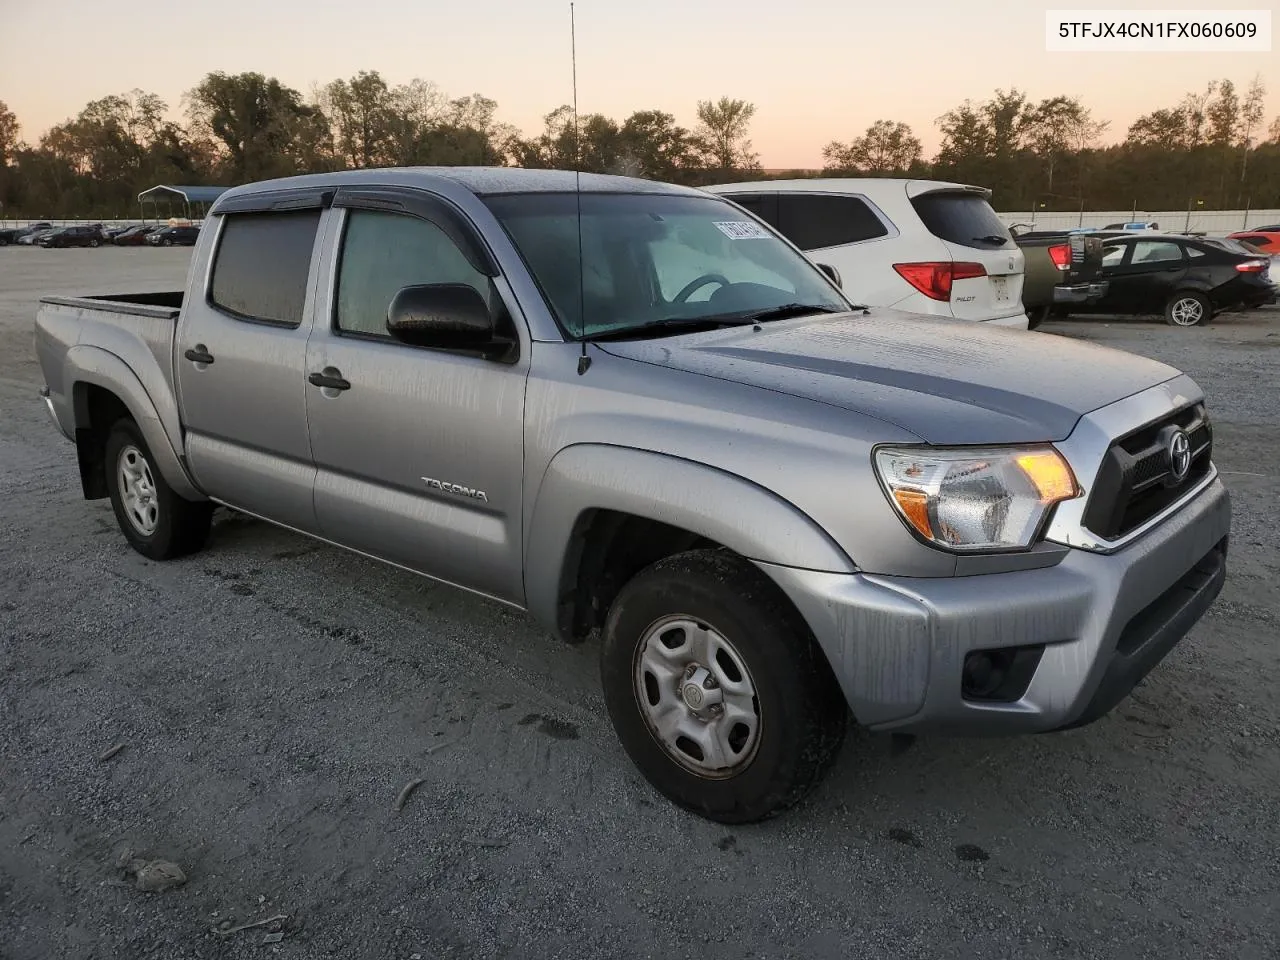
[261, 267]
[963, 218]
[815, 220]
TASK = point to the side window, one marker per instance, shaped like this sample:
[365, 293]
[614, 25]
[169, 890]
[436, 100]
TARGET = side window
[1155, 251]
[260, 269]
[814, 220]
[382, 252]
[1113, 254]
[1194, 252]
[763, 205]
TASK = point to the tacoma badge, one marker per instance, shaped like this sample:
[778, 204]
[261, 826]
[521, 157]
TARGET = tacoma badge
[457, 488]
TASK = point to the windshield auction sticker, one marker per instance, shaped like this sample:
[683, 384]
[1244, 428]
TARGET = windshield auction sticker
[742, 230]
[1158, 31]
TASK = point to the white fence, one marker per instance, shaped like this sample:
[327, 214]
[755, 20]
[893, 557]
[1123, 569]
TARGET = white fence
[1212, 222]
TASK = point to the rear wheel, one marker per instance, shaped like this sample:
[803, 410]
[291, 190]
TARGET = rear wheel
[717, 689]
[156, 521]
[94, 242]
[1188, 309]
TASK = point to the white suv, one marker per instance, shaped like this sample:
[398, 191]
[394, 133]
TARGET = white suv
[922, 246]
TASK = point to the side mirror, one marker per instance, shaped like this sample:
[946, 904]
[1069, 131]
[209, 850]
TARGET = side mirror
[446, 316]
[831, 272]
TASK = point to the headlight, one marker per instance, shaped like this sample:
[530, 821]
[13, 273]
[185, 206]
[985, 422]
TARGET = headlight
[975, 499]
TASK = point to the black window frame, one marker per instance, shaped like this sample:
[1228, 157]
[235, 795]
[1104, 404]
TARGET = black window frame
[258, 204]
[829, 197]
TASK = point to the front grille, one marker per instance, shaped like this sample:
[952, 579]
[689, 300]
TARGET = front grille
[1136, 479]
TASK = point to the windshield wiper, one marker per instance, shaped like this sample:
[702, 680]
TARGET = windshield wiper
[716, 320]
[789, 310]
[991, 238]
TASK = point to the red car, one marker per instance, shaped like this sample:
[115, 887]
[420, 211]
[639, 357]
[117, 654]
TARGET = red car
[1267, 239]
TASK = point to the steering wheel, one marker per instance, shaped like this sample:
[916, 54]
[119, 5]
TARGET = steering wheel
[698, 284]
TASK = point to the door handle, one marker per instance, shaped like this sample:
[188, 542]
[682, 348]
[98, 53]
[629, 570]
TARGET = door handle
[333, 381]
[199, 354]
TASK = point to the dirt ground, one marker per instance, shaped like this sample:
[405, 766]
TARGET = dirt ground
[273, 696]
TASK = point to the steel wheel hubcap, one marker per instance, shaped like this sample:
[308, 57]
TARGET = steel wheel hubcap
[697, 697]
[1187, 312]
[138, 491]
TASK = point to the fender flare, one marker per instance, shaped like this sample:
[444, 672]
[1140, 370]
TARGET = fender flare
[85, 364]
[712, 503]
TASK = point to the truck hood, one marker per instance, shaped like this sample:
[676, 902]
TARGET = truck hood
[946, 381]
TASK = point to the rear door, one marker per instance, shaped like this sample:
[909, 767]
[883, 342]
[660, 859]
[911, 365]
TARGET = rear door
[241, 352]
[840, 230]
[989, 265]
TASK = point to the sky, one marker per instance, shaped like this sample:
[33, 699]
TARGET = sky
[817, 70]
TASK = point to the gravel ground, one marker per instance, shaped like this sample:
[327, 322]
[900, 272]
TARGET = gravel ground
[273, 696]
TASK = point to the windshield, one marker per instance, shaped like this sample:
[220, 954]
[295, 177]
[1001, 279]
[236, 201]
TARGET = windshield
[655, 258]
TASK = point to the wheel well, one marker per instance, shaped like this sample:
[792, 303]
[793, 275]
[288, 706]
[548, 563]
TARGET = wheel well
[96, 409]
[606, 550]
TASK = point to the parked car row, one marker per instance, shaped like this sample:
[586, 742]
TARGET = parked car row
[97, 235]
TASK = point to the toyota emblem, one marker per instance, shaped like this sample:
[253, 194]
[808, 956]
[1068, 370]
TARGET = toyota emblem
[1179, 455]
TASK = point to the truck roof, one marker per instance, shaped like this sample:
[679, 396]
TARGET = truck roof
[478, 180]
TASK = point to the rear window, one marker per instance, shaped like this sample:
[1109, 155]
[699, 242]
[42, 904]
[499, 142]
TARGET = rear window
[261, 267]
[815, 220]
[962, 218]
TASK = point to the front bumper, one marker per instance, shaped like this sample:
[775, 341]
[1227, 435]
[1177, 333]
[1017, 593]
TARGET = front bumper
[898, 645]
[1080, 292]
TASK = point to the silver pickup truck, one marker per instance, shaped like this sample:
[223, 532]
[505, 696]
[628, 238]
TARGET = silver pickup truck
[631, 407]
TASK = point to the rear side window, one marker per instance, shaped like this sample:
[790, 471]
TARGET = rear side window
[763, 205]
[815, 220]
[1155, 251]
[962, 218]
[261, 267]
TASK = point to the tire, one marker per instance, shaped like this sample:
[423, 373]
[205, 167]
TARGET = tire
[93, 243]
[167, 242]
[716, 600]
[1037, 316]
[164, 525]
[1186, 308]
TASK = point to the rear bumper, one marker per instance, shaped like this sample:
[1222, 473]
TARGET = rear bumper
[53, 413]
[1080, 292]
[1085, 630]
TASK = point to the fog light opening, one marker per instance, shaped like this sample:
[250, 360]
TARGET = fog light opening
[999, 675]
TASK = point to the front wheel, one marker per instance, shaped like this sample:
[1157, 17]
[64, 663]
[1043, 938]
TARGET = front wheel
[156, 521]
[717, 689]
[1188, 309]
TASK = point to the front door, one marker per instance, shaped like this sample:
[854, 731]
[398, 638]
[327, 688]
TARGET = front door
[240, 356]
[1145, 277]
[419, 452]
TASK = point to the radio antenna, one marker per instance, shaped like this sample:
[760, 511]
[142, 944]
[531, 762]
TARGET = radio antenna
[584, 361]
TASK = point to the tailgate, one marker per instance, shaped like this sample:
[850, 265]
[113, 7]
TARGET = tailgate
[1086, 259]
[989, 264]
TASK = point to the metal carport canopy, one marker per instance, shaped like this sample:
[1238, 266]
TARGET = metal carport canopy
[186, 194]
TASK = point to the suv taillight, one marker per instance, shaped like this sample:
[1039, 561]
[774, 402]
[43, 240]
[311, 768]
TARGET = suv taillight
[1060, 254]
[934, 279]
[1252, 266]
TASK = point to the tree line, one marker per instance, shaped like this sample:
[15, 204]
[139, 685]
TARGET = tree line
[1212, 148]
